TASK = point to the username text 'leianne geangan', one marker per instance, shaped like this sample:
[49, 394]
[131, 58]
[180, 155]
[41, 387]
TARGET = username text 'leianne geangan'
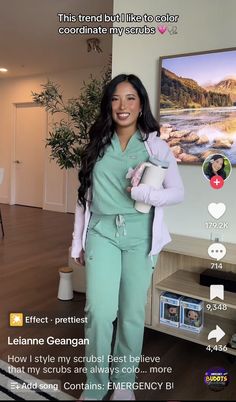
[50, 340]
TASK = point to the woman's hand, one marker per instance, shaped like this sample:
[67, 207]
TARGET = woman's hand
[140, 193]
[80, 260]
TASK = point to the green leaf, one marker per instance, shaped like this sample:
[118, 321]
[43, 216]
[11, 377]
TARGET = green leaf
[69, 136]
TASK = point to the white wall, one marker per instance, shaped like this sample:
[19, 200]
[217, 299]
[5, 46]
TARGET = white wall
[202, 25]
[60, 185]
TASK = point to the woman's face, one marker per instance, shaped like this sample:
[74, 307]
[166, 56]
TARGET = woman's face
[217, 164]
[126, 106]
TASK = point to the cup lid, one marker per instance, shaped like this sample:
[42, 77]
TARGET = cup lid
[159, 162]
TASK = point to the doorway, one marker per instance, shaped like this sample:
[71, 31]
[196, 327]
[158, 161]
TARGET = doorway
[29, 155]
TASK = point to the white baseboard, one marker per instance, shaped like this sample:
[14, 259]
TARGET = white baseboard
[50, 206]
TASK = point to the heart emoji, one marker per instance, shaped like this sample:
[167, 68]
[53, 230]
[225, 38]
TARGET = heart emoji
[162, 29]
[216, 210]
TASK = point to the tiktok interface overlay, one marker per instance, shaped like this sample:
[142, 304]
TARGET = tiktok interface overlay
[217, 169]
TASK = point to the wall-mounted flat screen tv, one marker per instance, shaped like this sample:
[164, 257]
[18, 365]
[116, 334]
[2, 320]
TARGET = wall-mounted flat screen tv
[197, 104]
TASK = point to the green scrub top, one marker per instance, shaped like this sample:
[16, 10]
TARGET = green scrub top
[109, 182]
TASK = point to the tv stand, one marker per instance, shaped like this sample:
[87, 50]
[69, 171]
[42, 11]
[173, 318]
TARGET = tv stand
[178, 269]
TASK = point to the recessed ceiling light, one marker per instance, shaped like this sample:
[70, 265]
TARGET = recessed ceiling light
[3, 70]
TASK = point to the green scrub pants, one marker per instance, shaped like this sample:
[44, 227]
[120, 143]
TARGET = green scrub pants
[118, 275]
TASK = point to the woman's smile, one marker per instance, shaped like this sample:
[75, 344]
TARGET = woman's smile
[122, 115]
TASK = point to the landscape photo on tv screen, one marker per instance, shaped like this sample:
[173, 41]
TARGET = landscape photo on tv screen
[197, 104]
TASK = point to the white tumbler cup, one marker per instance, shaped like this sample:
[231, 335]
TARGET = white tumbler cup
[153, 176]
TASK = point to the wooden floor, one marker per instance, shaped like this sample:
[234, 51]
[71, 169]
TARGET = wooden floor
[35, 245]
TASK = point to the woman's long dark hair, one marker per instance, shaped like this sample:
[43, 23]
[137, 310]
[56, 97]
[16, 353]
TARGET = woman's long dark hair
[102, 130]
[209, 171]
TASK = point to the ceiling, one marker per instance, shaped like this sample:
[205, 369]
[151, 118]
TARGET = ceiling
[30, 43]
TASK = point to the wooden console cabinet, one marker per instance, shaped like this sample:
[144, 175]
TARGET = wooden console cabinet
[177, 271]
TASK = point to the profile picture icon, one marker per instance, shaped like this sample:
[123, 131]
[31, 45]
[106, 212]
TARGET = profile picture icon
[217, 165]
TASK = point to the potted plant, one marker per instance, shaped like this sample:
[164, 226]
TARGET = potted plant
[69, 135]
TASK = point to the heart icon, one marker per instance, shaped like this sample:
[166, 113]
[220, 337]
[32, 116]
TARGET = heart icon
[162, 29]
[216, 210]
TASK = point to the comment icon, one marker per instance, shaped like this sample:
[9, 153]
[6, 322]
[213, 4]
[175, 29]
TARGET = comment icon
[217, 251]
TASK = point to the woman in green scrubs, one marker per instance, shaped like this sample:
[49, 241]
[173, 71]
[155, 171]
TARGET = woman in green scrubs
[119, 239]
